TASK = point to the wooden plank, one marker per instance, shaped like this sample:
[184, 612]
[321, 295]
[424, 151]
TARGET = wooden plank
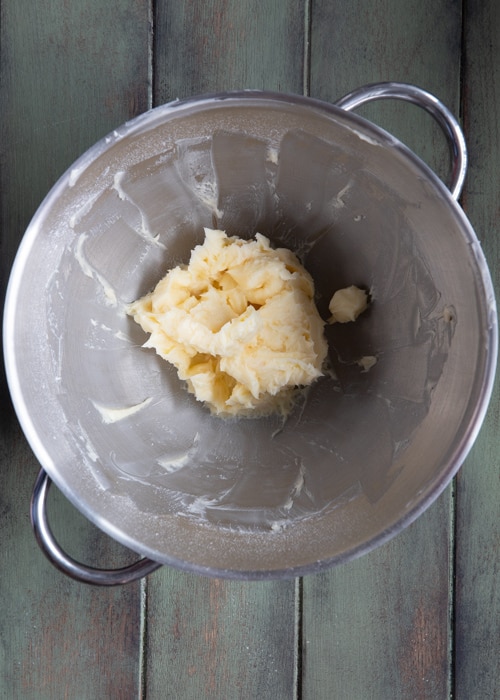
[223, 45]
[214, 638]
[381, 626]
[209, 638]
[59, 638]
[70, 72]
[354, 44]
[477, 616]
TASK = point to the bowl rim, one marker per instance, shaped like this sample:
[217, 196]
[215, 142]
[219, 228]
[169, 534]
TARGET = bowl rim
[148, 120]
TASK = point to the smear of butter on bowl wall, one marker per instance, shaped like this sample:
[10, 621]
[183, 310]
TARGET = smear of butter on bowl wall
[239, 323]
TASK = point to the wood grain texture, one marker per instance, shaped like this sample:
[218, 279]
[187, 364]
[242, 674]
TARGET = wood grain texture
[477, 616]
[381, 626]
[358, 43]
[222, 45]
[70, 72]
[209, 638]
[58, 638]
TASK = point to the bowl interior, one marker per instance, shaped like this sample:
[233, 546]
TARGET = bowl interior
[364, 451]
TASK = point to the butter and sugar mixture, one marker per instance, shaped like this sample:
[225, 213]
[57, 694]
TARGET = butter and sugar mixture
[239, 323]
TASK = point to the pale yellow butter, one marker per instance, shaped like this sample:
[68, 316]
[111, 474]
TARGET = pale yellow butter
[347, 304]
[239, 323]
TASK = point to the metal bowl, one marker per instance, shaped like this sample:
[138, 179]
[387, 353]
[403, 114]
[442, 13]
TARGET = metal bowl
[365, 451]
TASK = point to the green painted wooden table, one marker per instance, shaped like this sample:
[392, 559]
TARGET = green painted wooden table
[418, 617]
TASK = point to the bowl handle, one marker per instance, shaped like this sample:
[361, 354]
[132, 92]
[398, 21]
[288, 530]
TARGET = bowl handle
[63, 562]
[424, 99]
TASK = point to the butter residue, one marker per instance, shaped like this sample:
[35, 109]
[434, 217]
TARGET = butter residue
[143, 231]
[89, 271]
[174, 462]
[239, 323]
[367, 362]
[347, 304]
[113, 415]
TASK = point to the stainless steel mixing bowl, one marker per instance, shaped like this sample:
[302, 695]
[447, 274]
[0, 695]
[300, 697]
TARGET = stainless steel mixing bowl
[365, 451]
